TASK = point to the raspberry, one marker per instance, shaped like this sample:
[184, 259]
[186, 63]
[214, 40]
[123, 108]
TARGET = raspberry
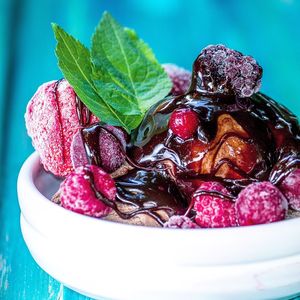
[260, 203]
[213, 211]
[180, 78]
[224, 70]
[180, 222]
[290, 187]
[111, 154]
[83, 189]
[184, 123]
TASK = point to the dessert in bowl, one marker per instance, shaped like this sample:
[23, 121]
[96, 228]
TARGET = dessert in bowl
[214, 153]
[100, 258]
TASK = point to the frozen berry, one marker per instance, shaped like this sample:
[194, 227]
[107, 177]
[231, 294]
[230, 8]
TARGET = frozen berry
[290, 187]
[85, 188]
[180, 77]
[180, 222]
[51, 121]
[219, 69]
[184, 122]
[260, 203]
[213, 211]
[111, 154]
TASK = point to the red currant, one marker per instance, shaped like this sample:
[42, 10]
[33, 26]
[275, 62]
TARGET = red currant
[184, 122]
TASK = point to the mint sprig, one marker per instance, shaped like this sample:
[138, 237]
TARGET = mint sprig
[119, 79]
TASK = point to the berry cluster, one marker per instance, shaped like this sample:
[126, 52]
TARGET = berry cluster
[258, 203]
[227, 71]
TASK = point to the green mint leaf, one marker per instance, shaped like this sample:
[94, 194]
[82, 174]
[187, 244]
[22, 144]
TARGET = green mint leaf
[141, 45]
[126, 74]
[75, 64]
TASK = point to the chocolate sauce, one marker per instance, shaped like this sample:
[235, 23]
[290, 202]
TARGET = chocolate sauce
[146, 202]
[150, 189]
[272, 132]
[265, 136]
[90, 137]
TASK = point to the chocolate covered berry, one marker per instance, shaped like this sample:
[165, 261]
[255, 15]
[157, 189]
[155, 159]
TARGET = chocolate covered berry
[84, 190]
[213, 210]
[101, 145]
[228, 71]
[184, 123]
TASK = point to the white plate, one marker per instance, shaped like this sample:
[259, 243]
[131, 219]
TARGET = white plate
[105, 259]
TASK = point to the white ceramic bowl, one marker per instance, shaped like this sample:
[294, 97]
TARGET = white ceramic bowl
[105, 259]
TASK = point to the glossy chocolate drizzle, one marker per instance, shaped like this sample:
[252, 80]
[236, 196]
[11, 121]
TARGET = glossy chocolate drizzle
[271, 129]
[159, 158]
[143, 189]
[143, 201]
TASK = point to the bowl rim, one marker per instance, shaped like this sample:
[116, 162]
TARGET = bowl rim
[32, 166]
[190, 264]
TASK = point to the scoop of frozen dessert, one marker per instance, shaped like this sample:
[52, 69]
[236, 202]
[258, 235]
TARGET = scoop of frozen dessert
[108, 141]
[180, 78]
[87, 190]
[52, 120]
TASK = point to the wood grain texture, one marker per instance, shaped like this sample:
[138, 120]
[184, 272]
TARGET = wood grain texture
[22, 47]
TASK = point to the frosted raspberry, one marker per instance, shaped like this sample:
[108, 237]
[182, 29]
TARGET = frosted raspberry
[180, 222]
[260, 203]
[224, 70]
[211, 210]
[111, 153]
[184, 122]
[83, 190]
[180, 77]
[51, 121]
[290, 187]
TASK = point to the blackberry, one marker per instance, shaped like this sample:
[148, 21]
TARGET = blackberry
[219, 69]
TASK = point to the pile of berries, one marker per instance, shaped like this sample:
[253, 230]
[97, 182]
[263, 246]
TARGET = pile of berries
[258, 203]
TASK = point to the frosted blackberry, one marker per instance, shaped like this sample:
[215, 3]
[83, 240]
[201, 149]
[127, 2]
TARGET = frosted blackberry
[222, 70]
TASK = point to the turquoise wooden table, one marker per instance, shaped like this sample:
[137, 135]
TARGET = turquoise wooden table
[269, 30]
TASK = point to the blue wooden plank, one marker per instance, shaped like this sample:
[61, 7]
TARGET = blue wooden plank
[33, 63]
